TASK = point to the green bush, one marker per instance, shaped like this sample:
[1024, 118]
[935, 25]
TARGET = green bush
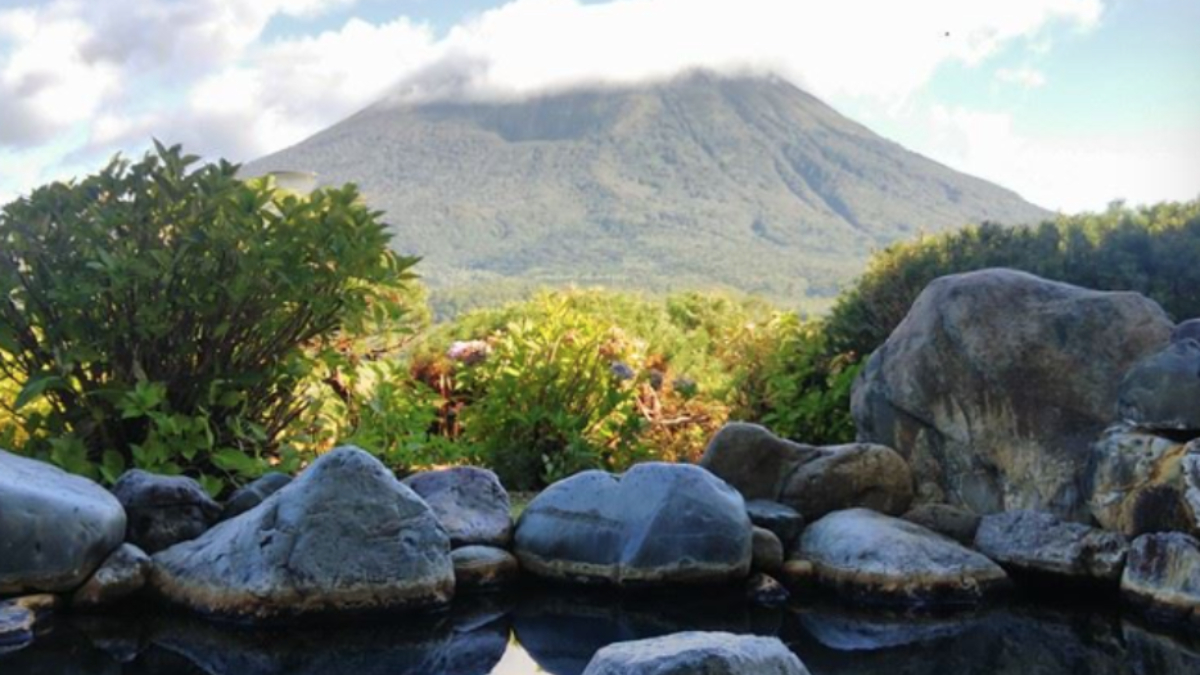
[157, 316]
[545, 403]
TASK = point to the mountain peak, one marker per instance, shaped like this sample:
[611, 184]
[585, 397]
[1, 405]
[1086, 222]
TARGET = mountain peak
[702, 180]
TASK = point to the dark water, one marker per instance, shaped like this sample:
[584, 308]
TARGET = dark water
[558, 632]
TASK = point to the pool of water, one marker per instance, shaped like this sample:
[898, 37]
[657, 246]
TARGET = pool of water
[558, 632]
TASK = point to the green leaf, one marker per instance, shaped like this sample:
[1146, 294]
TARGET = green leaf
[112, 465]
[35, 388]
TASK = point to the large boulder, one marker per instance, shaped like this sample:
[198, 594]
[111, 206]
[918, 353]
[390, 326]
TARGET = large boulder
[164, 510]
[876, 559]
[55, 528]
[696, 652]
[1162, 392]
[997, 382]
[1162, 575]
[812, 480]
[655, 524]
[469, 502]
[1039, 543]
[345, 535]
[1143, 483]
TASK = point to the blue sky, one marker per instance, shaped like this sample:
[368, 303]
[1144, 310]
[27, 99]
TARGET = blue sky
[1073, 103]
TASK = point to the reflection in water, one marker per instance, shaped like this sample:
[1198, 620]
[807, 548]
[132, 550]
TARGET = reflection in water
[558, 632]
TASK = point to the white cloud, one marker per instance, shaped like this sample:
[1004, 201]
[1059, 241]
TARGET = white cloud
[1029, 78]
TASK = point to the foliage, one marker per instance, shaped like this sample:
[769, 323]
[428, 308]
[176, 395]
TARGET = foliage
[160, 316]
[1150, 249]
[546, 402]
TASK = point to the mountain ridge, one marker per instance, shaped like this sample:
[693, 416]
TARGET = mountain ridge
[704, 180]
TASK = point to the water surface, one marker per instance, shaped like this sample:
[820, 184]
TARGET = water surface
[558, 632]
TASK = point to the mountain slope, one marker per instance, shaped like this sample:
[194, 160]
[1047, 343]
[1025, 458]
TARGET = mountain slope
[702, 181]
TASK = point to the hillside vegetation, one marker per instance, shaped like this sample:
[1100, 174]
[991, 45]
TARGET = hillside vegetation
[704, 182]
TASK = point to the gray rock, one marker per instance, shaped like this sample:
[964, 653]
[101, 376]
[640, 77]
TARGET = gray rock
[1162, 575]
[55, 528]
[949, 521]
[469, 502]
[694, 653]
[1143, 483]
[124, 573]
[345, 535]
[252, 494]
[765, 590]
[1186, 330]
[767, 551]
[16, 627]
[811, 480]
[784, 521]
[1162, 392]
[753, 460]
[872, 558]
[997, 382]
[1035, 542]
[656, 524]
[847, 476]
[483, 568]
[164, 510]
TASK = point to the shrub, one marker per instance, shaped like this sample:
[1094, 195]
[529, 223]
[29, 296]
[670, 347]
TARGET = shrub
[162, 317]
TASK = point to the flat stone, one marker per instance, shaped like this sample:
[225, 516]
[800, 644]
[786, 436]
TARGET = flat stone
[784, 521]
[1162, 575]
[164, 510]
[483, 568]
[252, 494]
[469, 502]
[767, 555]
[16, 626]
[344, 536]
[124, 573]
[950, 521]
[656, 524]
[1036, 542]
[694, 653]
[55, 528]
[872, 558]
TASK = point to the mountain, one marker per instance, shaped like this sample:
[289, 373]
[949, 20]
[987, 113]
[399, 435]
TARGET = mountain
[746, 183]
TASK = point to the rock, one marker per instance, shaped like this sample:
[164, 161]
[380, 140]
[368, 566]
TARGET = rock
[16, 627]
[164, 510]
[345, 535]
[1162, 391]
[763, 589]
[1035, 542]
[483, 568]
[784, 521]
[753, 460]
[798, 575]
[1143, 483]
[1162, 575]
[124, 573]
[656, 524]
[766, 551]
[811, 480]
[694, 652]
[949, 521]
[847, 476]
[1186, 330]
[469, 502]
[997, 382]
[253, 494]
[873, 558]
[55, 528]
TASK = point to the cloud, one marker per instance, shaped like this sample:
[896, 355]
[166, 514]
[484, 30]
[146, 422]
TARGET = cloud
[1029, 78]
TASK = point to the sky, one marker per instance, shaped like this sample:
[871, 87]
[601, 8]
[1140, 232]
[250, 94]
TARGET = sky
[1072, 103]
